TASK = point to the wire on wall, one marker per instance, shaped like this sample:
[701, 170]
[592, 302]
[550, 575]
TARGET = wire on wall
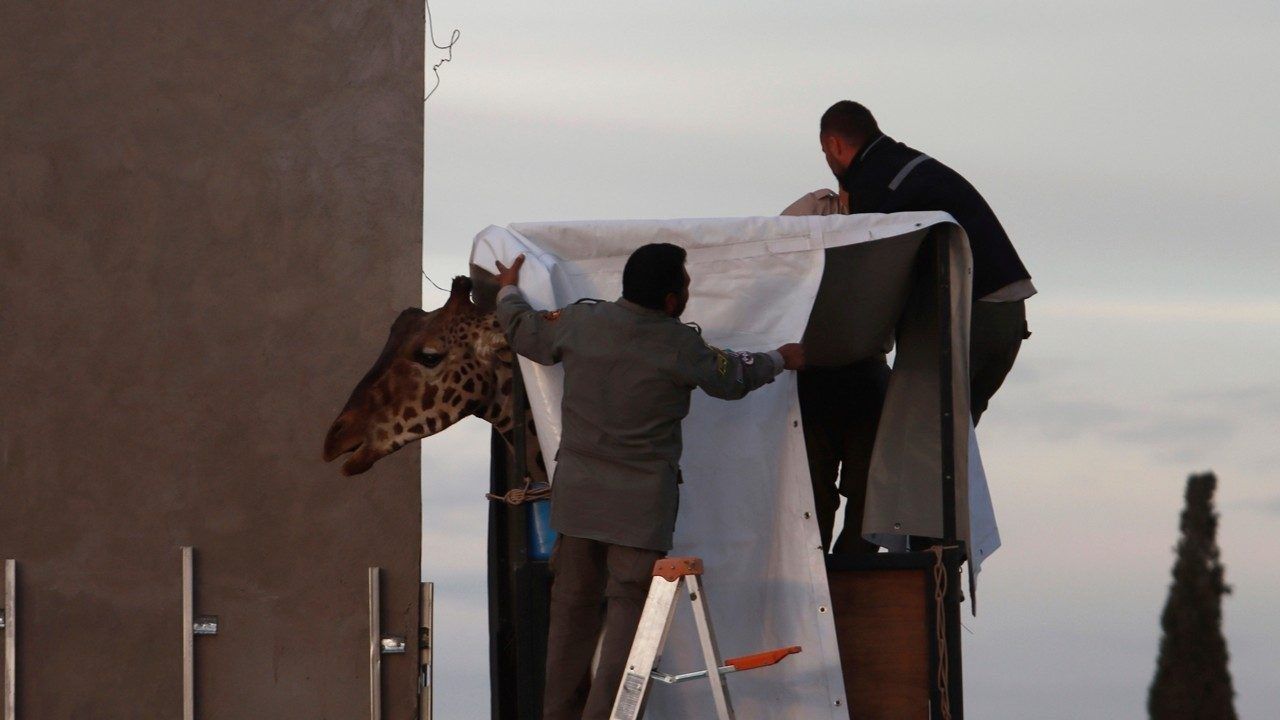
[433, 282]
[431, 35]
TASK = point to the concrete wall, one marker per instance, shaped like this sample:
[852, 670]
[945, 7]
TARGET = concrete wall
[209, 215]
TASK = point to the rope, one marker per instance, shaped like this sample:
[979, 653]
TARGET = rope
[530, 492]
[940, 631]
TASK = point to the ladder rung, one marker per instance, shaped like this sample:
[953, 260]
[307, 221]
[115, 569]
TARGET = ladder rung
[669, 679]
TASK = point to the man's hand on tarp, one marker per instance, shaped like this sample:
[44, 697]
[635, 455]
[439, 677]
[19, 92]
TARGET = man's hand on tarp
[792, 356]
[509, 275]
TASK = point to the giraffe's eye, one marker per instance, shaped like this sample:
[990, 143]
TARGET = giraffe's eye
[428, 358]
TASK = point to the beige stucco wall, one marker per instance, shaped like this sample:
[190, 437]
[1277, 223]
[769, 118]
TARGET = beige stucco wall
[209, 215]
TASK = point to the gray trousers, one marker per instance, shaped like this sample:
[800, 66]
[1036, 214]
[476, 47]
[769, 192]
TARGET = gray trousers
[594, 585]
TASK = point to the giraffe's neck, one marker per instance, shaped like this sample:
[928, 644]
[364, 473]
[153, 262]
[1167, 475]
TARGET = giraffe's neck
[501, 413]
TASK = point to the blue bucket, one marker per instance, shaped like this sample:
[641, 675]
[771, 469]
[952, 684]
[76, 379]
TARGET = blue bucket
[541, 537]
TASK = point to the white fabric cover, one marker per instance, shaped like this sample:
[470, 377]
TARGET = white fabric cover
[746, 505]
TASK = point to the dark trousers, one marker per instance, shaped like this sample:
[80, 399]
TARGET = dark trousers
[840, 408]
[594, 585]
[996, 332]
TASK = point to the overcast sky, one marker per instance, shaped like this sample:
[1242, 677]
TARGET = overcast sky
[1130, 149]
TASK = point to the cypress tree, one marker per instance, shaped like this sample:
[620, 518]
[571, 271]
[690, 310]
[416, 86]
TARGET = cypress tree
[1192, 681]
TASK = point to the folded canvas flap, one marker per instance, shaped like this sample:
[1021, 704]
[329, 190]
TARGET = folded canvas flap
[863, 291]
[904, 492]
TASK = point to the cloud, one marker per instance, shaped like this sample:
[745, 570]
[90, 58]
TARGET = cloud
[1247, 312]
[1169, 427]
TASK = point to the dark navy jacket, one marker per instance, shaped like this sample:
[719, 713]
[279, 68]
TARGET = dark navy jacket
[887, 177]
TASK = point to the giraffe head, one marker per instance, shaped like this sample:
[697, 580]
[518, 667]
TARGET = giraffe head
[436, 368]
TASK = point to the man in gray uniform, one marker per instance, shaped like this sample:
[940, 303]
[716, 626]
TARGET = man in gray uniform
[629, 369]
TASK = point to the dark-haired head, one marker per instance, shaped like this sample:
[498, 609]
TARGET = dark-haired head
[844, 129]
[654, 277]
[851, 121]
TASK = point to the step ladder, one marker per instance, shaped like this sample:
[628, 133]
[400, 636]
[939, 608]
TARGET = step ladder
[651, 636]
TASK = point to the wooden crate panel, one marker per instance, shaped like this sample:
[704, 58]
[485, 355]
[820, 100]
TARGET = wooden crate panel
[882, 626]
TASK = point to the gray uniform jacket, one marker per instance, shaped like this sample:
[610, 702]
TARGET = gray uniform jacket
[628, 374]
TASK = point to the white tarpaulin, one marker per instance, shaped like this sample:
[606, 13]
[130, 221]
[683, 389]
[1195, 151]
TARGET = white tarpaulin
[746, 505]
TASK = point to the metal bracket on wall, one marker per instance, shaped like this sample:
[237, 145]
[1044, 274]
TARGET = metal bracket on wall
[192, 626]
[10, 625]
[375, 644]
[426, 608]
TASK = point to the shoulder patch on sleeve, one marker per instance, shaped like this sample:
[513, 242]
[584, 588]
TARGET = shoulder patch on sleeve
[722, 358]
[722, 362]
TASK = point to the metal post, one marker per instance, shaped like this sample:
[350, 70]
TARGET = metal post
[188, 635]
[502, 623]
[946, 409]
[192, 625]
[955, 664]
[519, 422]
[10, 639]
[426, 642]
[375, 645]
[946, 422]
[518, 587]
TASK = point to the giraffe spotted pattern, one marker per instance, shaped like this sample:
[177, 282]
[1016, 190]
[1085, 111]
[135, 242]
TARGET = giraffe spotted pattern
[436, 368]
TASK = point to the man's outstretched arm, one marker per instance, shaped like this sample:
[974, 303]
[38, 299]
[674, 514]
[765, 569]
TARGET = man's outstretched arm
[730, 375]
[529, 332]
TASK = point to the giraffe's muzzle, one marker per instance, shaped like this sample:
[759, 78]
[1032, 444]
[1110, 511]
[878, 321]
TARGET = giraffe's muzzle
[346, 437]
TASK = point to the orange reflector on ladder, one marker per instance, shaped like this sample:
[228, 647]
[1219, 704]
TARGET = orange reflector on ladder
[763, 659]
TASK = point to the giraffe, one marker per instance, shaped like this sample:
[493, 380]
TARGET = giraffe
[436, 368]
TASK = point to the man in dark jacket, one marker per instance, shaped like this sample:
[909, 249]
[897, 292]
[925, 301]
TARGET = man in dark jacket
[882, 175]
[841, 406]
[629, 369]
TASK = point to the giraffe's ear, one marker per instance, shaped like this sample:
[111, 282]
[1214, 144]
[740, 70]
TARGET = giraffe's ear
[484, 289]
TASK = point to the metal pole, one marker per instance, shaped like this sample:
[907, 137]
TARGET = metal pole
[955, 663]
[946, 408]
[375, 645]
[10, 639]
[519, 422]
[946, 422]
[188, 635]
[502, 668]
[426, 641]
